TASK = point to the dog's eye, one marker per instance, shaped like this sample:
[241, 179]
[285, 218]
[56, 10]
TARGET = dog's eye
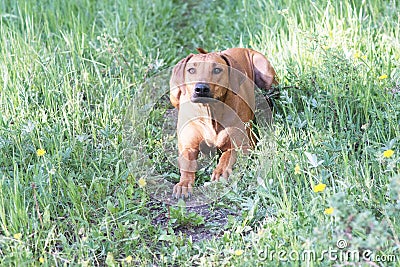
[217, 70]
[192, 70]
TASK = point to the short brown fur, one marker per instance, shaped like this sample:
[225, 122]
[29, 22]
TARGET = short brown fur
[229, 78]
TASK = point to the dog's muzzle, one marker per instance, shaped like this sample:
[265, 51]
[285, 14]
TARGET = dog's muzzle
[202, 93]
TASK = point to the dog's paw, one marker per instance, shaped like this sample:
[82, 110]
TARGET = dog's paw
[183, 189]
[221, 172]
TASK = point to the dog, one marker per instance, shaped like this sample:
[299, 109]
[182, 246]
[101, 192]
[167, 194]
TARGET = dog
[215, 97]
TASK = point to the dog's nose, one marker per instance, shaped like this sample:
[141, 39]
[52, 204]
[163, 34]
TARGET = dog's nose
[202, 89]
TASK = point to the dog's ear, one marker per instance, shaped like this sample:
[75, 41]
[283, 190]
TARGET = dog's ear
[201, 50]
[177, 82]
[236, 73]
[264, 75]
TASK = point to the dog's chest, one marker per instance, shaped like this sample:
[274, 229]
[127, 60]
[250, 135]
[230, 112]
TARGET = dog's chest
[212, 133]
[212, 124]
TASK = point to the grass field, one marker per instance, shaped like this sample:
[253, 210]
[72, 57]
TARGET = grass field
[70, 71]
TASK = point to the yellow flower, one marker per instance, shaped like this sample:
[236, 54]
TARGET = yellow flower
[382, 77]
[238, 252]
[297, 169]
[388, 153]
[41, 260]
[357, 54]
[329, 211]
[40, 152]
[319, 188]
[128, 259]
[142, 182]
[18, 236]
[260, 232]
[325, 47]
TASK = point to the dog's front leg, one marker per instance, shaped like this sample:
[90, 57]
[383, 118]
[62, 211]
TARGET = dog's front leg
[187, 165]
[230, 140]
[224, 167]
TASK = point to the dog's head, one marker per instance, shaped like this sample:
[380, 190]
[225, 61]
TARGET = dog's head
[205, 77]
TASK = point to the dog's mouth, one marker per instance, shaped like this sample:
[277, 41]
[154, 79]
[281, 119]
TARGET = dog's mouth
[202, 99]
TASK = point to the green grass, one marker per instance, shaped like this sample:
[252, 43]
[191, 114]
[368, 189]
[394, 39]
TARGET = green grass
[70, 71]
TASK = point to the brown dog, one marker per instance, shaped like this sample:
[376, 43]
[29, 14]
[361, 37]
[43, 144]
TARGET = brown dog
[214, 93]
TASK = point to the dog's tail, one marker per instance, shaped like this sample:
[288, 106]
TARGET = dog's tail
[201, 50]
